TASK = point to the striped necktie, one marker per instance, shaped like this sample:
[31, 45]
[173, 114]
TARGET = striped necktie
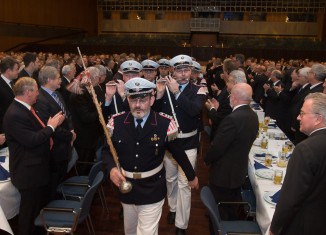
[56, 98]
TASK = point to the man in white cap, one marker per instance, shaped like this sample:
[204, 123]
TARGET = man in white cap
[184, 100]
[115, 97]
[149, 70]
[164, 68]
[197, 76]
[140, 138]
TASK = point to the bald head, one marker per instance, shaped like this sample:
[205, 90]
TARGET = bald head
[241, 93]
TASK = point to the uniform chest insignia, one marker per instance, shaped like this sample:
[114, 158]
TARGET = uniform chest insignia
[155, 138]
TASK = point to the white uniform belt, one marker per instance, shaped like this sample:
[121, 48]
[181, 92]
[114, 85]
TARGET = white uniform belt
[186, 135]
[141, 175]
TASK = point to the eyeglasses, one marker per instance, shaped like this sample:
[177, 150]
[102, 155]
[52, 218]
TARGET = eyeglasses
[141, 100]
[303, 113]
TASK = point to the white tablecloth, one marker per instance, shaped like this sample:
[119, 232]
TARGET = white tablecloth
[264, 210]
[9, 195]
[4, 225]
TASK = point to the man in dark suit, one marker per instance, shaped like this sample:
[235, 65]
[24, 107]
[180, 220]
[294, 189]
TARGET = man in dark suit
[316, 77]
[9, 72]
[218, 110]
[297, 102]
[79, 64]
[140, 137]
[29, 142]
[109, 65]
[86, 124]
[228, 155]
[301, 205]
[68, 74]
[257, 83]
[271, 99]
[49, 102]
[31, 63]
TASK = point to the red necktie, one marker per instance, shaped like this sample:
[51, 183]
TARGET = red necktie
[42, 124]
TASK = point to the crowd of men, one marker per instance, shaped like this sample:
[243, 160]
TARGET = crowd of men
[153, 108]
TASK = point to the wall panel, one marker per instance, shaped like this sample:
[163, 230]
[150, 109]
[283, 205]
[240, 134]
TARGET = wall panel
[80, 14]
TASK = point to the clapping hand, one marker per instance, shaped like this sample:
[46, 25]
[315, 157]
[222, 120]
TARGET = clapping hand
[212, 103]
[56, 120]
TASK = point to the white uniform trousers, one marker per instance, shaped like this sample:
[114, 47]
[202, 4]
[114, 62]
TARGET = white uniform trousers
[178, 189]
[142, 219]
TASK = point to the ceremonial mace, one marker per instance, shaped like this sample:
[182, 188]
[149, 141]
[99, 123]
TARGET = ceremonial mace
[125, 186]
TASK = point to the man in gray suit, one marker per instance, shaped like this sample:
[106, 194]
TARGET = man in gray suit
[301, 205]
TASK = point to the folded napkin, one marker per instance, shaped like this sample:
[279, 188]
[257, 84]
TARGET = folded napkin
[276, 196]
[260, 154]
[4, 174]
[272, 125]
[259, 166]
[2, 158]
[263, 155]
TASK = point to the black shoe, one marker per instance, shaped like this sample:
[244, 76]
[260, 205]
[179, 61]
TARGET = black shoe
[171, 217]
[180, 231]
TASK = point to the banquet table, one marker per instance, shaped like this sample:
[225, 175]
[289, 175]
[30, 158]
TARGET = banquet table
[4, 225]
[9, 195]
[262, 186]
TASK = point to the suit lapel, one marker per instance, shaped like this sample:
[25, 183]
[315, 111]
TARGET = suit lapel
[187, 89]
[49, 99]
[6, 87]
[29, 113]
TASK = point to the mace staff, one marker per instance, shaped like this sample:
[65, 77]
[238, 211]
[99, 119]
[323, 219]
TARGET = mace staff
[126, 186]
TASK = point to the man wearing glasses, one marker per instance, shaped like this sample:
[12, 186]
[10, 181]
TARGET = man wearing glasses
[301, 205]
[183, 100]
[140, 138]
